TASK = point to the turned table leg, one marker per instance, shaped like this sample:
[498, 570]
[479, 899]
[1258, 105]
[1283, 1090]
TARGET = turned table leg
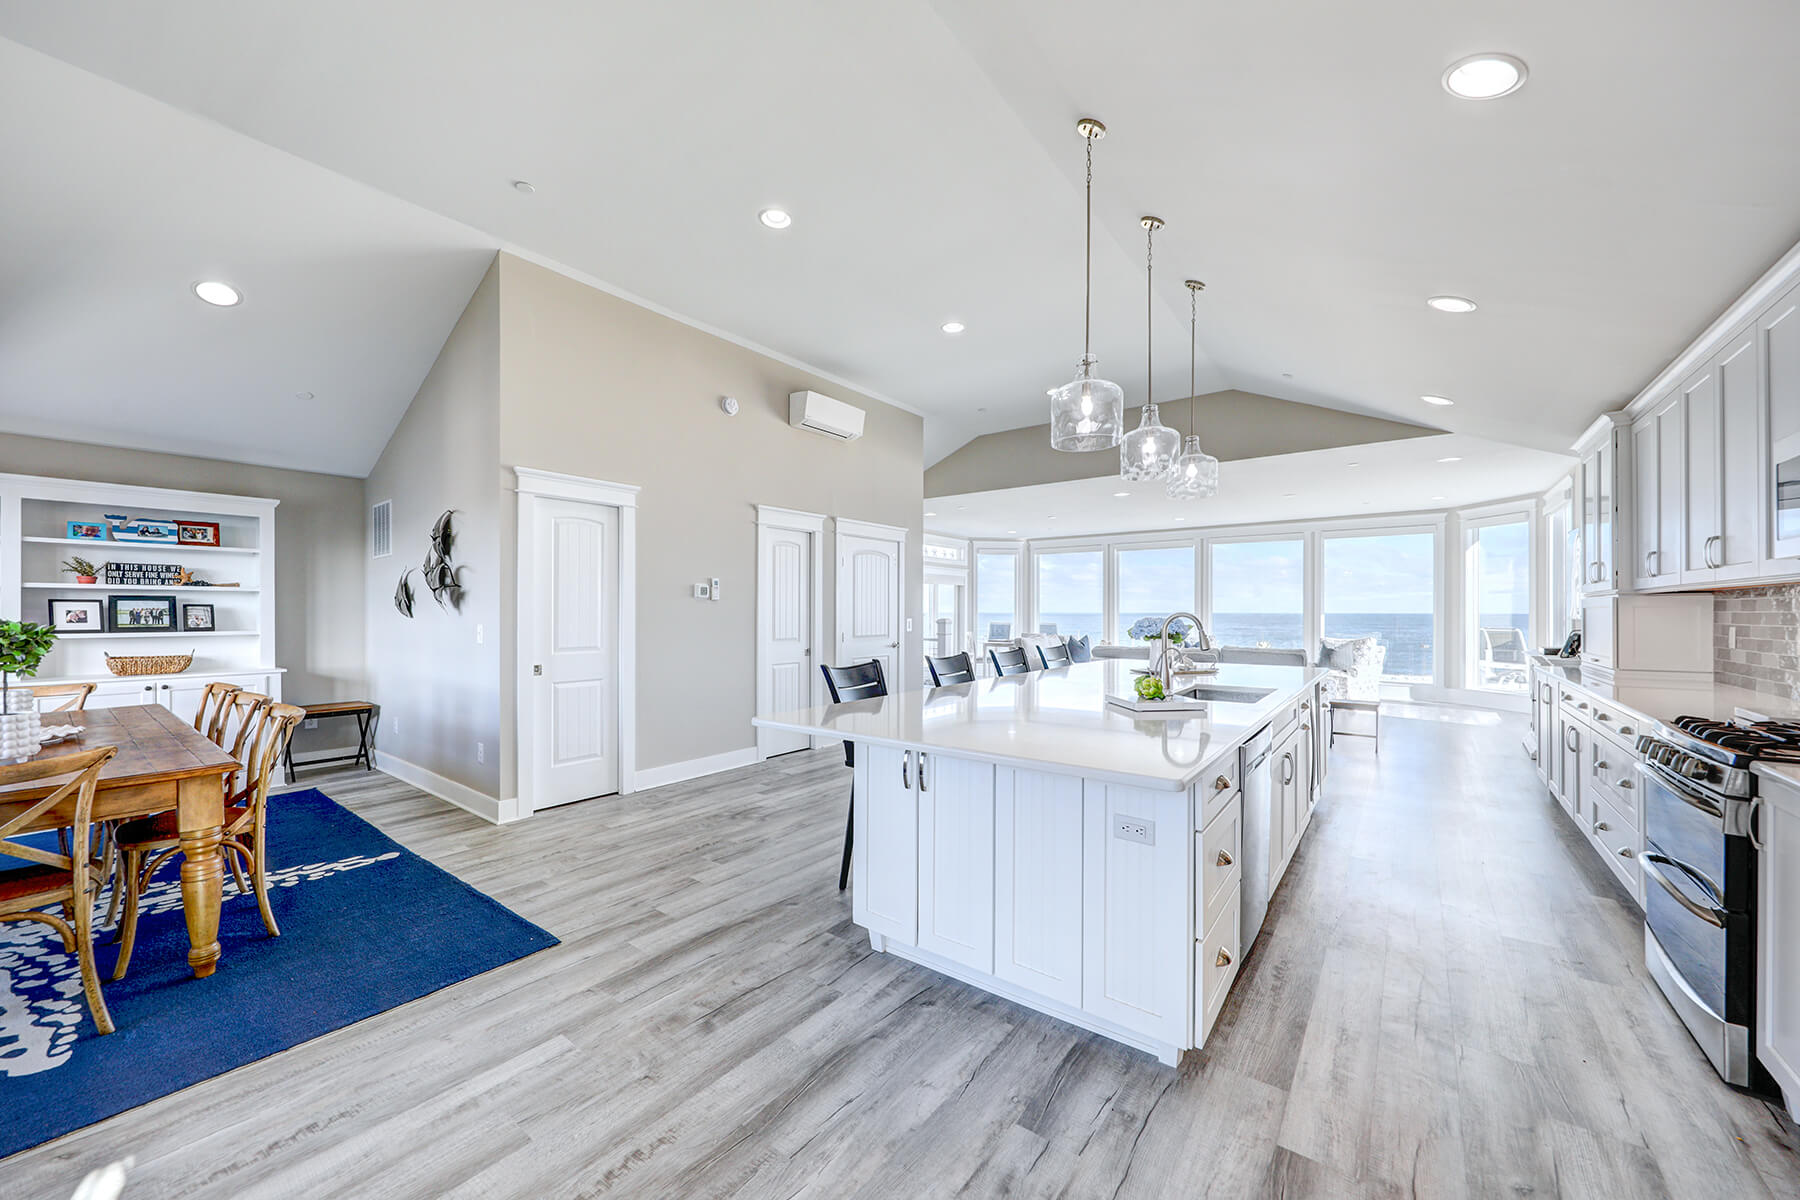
[200, 813]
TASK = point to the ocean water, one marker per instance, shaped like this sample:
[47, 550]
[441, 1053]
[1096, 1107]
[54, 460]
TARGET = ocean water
[1409, 637]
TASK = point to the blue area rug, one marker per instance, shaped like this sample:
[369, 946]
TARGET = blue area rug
[366, 925]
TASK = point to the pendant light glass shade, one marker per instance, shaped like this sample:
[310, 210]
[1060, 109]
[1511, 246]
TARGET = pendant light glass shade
[1196, 473]
[1149, 451]
[1087, 413]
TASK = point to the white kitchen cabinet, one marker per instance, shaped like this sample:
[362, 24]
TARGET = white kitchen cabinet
[1571, 737]
[1038, 841]
[1656, 493]
[1291, 804]
[1778, 936]
[124, 692]
[1719, 510]
[1778, 344]
[178, 693]
[1137, 901]
[885, 896]
[1598, 478]
[1644, 493]
[956, 858]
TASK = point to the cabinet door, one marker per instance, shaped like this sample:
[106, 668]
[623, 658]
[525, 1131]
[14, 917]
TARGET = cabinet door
[1604, 516]
[1037, 861]
[1778, 338]
[1700, 466]
[183, 698]
[1778, 946]
[1588, 500]
[1571, 743]
[885, 898]
[118, 695]
[956, 859]
[1645, 525]
[1737, 553]
[1137, 910]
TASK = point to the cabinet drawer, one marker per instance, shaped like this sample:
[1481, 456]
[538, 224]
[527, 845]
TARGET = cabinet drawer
[1221, 846]
[1217, 787]
[1215, 966]
[1619, 843]
[1612, 775]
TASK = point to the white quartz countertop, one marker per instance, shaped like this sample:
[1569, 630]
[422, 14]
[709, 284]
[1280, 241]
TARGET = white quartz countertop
[1059, 721]
[1715, 701]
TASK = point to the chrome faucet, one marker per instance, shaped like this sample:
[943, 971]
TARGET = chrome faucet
[1172, 662]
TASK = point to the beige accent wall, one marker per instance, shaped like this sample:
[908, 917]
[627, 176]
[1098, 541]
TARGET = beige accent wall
[1232, 425]
[593, 385]
[319, 553]
[439, 689]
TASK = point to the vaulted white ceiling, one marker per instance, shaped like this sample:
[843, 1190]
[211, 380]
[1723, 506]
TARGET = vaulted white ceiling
[1309, 166]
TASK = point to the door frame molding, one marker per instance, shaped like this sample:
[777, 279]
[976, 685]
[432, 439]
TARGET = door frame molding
[884, 533]
[534, 485]
[770, 517]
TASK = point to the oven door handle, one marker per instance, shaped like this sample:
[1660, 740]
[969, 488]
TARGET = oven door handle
[1653, 864]
[1705, 804]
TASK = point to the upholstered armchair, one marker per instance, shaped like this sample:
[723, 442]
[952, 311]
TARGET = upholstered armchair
[1355, 665]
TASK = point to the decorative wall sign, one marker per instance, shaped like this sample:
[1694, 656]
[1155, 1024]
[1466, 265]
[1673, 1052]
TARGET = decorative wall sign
[143, 574]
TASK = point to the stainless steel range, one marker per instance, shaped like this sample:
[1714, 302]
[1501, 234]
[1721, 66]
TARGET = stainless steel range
[1699, 866]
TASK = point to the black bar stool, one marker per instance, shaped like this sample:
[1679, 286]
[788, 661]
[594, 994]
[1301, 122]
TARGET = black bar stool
[863, 681]
[949, 669]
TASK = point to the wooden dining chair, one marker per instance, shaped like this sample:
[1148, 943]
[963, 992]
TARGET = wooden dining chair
[62, 697]
[1009, 660]
[215, 703]
[860, 682]
[1054, 655]
[949, 669]
[71, 879]
[147, 844]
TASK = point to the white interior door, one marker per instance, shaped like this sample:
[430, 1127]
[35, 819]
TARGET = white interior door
[868, 609]
[784, 618]
[575, 737]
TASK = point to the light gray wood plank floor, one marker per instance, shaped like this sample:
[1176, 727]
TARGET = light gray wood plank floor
[1449, 1000]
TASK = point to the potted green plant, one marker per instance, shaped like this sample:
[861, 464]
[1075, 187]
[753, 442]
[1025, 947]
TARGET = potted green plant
[23, 646]
[85, 571]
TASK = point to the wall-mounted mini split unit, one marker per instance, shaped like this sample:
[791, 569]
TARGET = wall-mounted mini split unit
[822, 414]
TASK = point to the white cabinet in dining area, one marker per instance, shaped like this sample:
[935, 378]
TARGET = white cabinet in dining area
[179, 694]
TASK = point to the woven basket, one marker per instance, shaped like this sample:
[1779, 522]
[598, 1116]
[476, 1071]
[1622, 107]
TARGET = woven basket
[149, 664]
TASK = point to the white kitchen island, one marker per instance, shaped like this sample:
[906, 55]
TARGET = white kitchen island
[1023, 836]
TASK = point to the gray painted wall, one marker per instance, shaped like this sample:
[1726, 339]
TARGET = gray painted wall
[319, 555]
[438, 689]
[596, 386]
[1232, 425]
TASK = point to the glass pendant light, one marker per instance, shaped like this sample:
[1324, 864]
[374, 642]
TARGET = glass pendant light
[1148, 452]
[1087, 413]
[1196, 473]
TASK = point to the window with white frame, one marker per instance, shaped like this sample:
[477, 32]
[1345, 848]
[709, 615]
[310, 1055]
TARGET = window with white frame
[1071, 593]
[1384, 584]
[1497, 592]
[1151, 581]
[996, 595]
[1258, 593]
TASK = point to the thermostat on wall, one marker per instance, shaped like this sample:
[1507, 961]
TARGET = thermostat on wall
[702, 591]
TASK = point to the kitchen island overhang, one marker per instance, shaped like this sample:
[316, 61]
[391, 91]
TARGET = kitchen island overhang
[1024, 836]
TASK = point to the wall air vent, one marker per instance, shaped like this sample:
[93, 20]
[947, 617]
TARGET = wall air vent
[819, 413]
[381, 529]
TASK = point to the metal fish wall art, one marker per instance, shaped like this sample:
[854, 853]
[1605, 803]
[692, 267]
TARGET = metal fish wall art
[403, 594]
[440, 574]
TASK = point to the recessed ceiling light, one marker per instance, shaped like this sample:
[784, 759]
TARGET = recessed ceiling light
[1452, 458]
[1452, 304]
[214, 292]
[1120, 495]
[953, 327]
[1440, 401]
[523, 187]
[1485, 76]
[775, 218]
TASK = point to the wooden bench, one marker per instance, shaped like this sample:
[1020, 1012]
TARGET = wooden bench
[363, 711]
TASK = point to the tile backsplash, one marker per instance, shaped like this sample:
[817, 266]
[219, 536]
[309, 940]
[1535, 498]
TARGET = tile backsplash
[1756, 639]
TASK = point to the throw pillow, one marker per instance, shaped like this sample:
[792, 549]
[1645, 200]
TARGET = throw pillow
[1080, 649]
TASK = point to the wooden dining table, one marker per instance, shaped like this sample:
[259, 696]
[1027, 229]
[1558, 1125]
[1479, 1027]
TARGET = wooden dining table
[163, 764]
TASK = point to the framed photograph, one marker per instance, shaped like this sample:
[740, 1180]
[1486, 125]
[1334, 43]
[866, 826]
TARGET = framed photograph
[196, 617]
[145, 529]
[197, 533]
[141, 614]
[78, 616]
[88, 531]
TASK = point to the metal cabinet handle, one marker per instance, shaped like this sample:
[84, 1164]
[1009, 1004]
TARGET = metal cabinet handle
[1625, 852]
[1707, 550]
[1287, 762]
[1600, 765]
[1750, 823]
[1601, 827]
[1224, 858]
[922, 785]
[1600, 716]
[1304, 728]
[1221, 783]
[906, 771]
[1224, 959]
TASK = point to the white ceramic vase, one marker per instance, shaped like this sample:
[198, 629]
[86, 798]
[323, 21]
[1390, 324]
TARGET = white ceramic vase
[19, 725]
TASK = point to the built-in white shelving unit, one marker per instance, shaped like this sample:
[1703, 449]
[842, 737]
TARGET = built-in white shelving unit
[34, 520]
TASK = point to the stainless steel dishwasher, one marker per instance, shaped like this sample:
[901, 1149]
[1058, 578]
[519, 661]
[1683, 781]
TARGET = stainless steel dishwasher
[1258, 776]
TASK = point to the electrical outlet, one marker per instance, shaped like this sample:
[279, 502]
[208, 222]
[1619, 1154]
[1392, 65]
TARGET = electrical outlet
[480, 751]
[909, 624]
[1731, 637]
[480, 634]
[702, 591]
[1134, 829]
[311, 724]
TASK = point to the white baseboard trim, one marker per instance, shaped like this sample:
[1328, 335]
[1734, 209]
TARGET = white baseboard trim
[463, 796]
[693, 768]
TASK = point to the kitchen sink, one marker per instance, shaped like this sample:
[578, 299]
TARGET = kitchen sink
[1223, 693]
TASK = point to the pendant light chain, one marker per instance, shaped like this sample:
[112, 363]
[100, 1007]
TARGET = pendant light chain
[1087, 278]
[1193, 339]
[1149, 314]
